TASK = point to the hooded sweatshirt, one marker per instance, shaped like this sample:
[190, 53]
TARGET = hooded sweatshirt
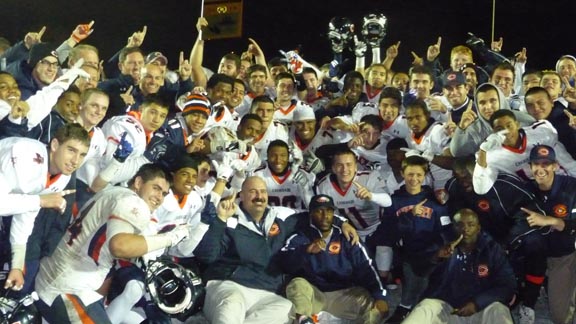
[467, 141]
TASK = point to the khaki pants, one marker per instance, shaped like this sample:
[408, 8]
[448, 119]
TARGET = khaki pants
[435, 311]
[562, 288]
[346, 303]
[230, 303]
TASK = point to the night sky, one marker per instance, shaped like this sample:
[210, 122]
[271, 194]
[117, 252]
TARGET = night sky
[546, 32]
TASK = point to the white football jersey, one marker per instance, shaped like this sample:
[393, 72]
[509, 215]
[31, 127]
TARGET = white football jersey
[516, 160]
[221, 116]
[282, 191]
[82, 259]
[372, 94]
[286, 114]
[276, 131]
[364, 214]
[23, 176]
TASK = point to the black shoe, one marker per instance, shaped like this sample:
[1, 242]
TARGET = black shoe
[399, 315]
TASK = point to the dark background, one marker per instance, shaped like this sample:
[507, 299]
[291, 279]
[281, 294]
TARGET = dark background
[546, 28]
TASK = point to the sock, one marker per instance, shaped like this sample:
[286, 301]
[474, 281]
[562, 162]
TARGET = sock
[121, 305]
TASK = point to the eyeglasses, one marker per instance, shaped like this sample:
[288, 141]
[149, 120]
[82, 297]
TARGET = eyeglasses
[54, 65]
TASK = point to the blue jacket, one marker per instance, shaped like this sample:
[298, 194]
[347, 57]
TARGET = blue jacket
[483, 277]
[422, 236]
[559, 202]
[22, 73]
[244, 252]
[341, 266]
[497, 208]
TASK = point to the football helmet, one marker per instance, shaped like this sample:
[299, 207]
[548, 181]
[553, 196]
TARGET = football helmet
[19, 311]
[177, 291]
[374, 28]
[340, 33]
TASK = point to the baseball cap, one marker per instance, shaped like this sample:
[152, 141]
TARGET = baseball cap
[156, 56]
[542, 153]
[319, 201]
[40, 51]
[196, 103]
[304, 113]
[453, 79]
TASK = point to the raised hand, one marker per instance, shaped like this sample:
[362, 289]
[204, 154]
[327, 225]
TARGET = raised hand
[33, 38]
[360, 47]
[226, 208]
[496, 46]
[569, 91]
[184, 67]
[392, 51]
[127, 97]
[201, 23]
[435, 103]
[137, 38]
[82, 31]
[362, 192]
[494, 141]
[20, 109]
[450, 126]
[418, 60]
[521, 56]
[434, 50]
[419, 208]
[468, 117]
[571, 118]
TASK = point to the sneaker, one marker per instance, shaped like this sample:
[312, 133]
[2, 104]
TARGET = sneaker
[526, 315]
[399, 314]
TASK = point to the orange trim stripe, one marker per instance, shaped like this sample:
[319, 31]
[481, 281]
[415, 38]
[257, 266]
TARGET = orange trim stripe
[82, 315]
[537, 280]
[521, 149]
[50, 180]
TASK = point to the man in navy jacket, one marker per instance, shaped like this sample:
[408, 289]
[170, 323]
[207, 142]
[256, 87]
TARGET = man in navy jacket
[473, 284]
[330, 273]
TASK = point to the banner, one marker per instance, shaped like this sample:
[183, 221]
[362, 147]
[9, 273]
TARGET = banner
[224, 19]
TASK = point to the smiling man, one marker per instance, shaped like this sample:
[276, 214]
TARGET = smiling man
[109, 227]
[508, 149]
[34, 177]
[243, 276]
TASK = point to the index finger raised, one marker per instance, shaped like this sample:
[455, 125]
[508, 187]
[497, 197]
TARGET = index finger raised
[439, 41]
[422, 202]
[90, 24]
[144, 30]
[181, 58]
[455, 243]
[129, 90]
[41, 32]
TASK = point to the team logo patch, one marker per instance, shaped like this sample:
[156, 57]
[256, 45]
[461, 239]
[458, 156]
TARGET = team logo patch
[334, 248]
[274, 230]
[483, 271]
[322, 199]
[38, 159]
[543, 151]
[451, 77]
[560, 210]
[484, 205]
